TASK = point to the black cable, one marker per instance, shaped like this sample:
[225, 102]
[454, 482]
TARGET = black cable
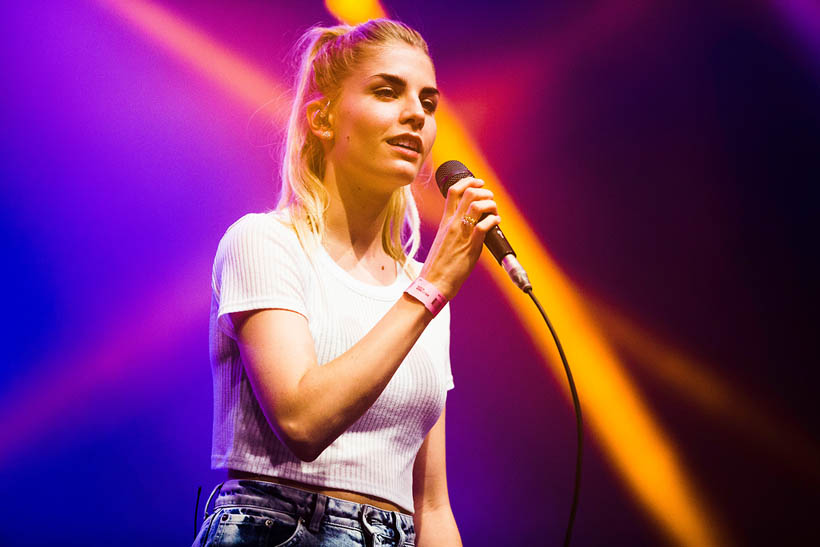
[578, 422]
[196, 512]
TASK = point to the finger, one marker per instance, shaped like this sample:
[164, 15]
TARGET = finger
[456, 191]
[481, 207]
[462, 184]
[471, 195]
[487, 224]
[475, 214]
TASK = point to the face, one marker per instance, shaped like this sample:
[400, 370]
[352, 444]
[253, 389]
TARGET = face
[383, 125]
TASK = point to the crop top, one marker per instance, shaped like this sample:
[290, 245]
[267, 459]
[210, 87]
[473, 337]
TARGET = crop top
[260, 263]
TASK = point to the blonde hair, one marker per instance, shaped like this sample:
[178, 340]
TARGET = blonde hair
[329, 55]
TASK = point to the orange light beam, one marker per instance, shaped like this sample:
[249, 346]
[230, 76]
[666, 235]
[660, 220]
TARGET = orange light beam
[634, 441]
[69, 380]
[223, 67]
[709, 392]
[613, 407]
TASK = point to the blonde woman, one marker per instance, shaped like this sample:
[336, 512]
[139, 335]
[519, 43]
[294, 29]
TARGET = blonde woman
[329, 343]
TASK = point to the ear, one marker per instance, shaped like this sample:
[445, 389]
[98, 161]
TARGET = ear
[319, 119]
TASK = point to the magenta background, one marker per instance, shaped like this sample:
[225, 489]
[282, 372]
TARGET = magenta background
[663, 154]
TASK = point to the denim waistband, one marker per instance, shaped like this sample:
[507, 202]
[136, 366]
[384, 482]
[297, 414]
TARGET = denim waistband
[312, 507]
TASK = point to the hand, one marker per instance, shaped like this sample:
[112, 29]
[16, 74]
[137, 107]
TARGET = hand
[457, 245]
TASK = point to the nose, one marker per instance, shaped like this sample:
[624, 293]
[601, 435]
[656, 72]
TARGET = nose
[413, 113]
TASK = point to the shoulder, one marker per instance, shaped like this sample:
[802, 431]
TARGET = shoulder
[260, 241]
[260, 230]
[269, 225]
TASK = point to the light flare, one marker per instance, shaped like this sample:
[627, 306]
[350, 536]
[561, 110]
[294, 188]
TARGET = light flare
[354, 12]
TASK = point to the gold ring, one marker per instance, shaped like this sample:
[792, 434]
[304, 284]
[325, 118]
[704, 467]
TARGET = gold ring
[468, 220]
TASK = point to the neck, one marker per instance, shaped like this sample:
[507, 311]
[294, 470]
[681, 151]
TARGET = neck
[354, 218]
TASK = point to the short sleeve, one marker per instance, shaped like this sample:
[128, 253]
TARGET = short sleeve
[259, 264]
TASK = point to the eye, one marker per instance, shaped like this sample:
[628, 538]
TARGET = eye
[429, 105]
[385, 92]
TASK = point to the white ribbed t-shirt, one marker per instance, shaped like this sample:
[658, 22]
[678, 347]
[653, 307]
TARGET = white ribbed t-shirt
[260, 264]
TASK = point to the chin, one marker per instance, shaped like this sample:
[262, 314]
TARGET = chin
[409, 177]
[405, 174]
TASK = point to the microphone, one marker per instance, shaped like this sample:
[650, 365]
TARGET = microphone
[453, 171]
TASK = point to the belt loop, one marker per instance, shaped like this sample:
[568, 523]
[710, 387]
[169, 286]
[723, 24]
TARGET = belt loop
[318, 512]
[397, 520]
[216, 490]
[370, 533]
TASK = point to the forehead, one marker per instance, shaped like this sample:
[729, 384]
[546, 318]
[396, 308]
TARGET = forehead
[408, 62]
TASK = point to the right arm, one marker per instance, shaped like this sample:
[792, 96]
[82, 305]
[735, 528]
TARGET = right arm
[309, 406]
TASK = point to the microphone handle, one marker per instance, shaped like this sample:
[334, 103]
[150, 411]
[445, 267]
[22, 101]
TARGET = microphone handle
[504, 254]
[496, 242]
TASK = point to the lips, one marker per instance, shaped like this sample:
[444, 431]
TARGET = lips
[407, 141]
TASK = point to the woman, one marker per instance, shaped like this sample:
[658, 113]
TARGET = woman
[330, 371]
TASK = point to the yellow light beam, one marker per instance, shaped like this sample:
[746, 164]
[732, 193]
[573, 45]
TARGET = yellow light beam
[354, 12]
[709, 392]
[613, 407]
[634, 441]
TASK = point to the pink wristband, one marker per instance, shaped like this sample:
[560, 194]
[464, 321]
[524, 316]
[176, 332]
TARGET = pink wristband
[427, 293]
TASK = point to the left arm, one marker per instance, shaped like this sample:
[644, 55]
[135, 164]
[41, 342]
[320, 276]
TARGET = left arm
[434, 521]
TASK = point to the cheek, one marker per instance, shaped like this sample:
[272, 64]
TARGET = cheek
[366, 129]
[430, 130]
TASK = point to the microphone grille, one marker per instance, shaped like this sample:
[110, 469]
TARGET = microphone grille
[450, 172]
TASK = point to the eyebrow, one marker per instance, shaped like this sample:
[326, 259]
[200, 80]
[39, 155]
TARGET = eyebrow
[397, 81]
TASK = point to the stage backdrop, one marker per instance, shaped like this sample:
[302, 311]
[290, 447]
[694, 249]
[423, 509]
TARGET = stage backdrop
[652, 164]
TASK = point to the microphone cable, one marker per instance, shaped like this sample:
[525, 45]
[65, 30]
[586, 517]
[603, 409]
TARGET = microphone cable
[448, 174]
[578, 421]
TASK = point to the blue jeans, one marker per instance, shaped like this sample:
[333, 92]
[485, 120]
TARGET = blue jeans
[248, 512]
